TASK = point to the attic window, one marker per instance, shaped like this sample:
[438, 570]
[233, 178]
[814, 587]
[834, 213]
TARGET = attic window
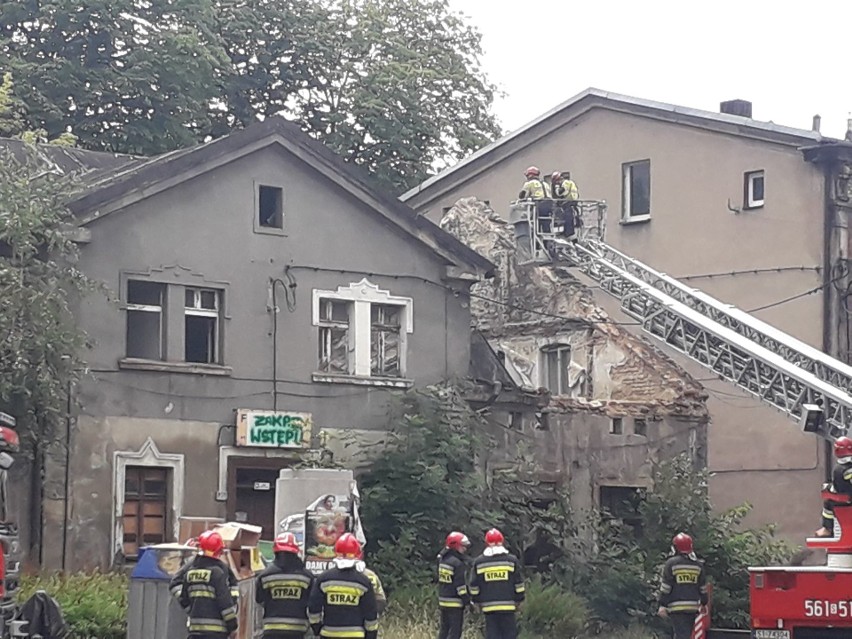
[754, 189]
[270, 207]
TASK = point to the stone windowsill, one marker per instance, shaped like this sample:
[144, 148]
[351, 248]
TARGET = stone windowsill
[636, 219]
[358, 380]
[188, 368]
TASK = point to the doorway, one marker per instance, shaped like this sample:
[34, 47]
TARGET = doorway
[251, 492]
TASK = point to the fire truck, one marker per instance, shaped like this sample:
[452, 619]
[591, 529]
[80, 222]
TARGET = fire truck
[810, 387]
[9, 544]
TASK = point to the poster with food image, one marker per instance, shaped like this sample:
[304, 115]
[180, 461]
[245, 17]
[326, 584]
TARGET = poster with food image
[326, 520]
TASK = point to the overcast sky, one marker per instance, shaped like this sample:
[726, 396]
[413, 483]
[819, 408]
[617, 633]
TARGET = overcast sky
[791, 60]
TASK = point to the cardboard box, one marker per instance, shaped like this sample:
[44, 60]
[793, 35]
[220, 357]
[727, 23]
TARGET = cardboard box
[191, 527]
[245, 563]
[237, 535]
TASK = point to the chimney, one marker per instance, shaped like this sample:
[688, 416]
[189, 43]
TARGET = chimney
[849, 130]
[815, 126]
[736, 107]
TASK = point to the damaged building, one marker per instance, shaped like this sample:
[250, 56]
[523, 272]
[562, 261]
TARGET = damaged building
[597, 404]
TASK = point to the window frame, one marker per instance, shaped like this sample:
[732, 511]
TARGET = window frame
[361, 296]
[626, 197]
[197, 310]
[328, 325]
[640, 426]
[616, 426]
[161, 310]
[559, 349]
[749, 201]
[269, 230]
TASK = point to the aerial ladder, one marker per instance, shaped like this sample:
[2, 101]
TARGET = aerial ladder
[810, 387]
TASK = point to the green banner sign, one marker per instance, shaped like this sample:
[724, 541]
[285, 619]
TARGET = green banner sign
[268, 429]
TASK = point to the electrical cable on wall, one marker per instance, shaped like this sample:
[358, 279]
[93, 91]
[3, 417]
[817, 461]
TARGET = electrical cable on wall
[290, 299]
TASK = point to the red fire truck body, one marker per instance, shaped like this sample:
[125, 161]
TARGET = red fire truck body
[807, 602]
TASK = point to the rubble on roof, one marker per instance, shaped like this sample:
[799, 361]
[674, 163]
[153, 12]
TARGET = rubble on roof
[526, 307]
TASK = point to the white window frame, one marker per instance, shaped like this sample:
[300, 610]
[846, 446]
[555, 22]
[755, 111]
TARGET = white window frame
[149, 308]
[626, 175]
[270, 230]
[361, 296]
[330, 323]
[197, 311]
[560, 350]
[750, 177]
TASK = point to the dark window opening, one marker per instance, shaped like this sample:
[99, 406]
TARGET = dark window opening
[271, 207]
[516, 420]
[334, 337]
[754, 185]
[145, 331]
[624, 503]
[616, 426]
[385, 340]
[201, 326]
[640, 427]
[145, 516]
[636, 193]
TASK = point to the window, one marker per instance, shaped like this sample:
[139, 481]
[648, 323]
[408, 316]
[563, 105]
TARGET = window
[556, 365]
[270, 207]
[145, 328]
[145, 507]
[640, 427]
[362, 333]
[616, 426]
[754, 189]
[201, 326]
[334, 337]
[636, 191]
[623, 502]
[385, 340]
[516, 420]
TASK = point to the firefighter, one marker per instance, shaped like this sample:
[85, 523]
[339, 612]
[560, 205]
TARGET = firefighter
[342, 604]
[283, 589]
[453, 597]
[497, 587]
[232, 578]
[566, 193]
[683, 590]
[841, 482]
[204, 592]
[537, 189]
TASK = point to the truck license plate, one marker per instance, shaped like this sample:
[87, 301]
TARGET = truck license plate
[771, 634]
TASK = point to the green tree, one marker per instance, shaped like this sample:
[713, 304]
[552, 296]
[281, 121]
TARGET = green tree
[40, 344]
[392, 85]
[125, 76]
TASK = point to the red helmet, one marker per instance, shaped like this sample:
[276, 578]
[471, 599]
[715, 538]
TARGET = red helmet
[682, 543]
[457, 541]
[556, 177]
[348, 547]
[843, 447]
[532, 172]
[286, 542]
[494, 537]
[210, 543]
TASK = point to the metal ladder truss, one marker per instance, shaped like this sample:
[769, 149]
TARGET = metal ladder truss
[793, 350]
[754, 356]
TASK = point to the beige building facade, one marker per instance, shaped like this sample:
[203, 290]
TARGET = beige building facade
[752, 213]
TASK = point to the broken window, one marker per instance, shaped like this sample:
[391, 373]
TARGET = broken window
[557, 363]
[636, 190]
[270, 205]
[201, 325]
[623, 502]
[616, 426]
[145, 327]
[385, 340]
[334, 337]
[145, 514]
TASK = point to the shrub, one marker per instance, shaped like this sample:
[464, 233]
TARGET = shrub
[94, 604]
[550, 611]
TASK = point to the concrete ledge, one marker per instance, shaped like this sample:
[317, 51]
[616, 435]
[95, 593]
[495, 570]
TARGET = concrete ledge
[357, 380]
[188, 368]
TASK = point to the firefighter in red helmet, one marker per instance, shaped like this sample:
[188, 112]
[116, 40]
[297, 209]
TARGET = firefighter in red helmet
[204, 592]
[683, 589]
[342, 603]
[497, 587]
[841, 482]
[282, 589]
[537, 189]
[453, 597]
